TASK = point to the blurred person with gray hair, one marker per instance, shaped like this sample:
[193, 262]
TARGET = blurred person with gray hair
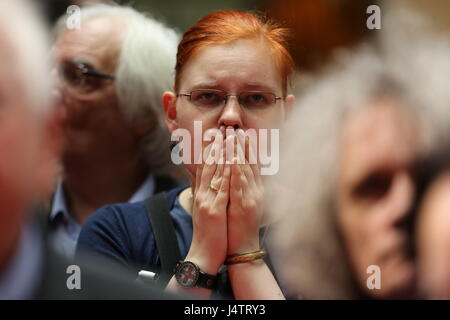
[360, 133]
[110, 75]
[30, 140]
[27, 142]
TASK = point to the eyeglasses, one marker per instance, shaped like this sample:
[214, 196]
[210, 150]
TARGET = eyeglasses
[80, 75]
[211, 98]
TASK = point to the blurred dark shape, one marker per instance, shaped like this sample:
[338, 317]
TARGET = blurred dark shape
[89, 2]
[53, 9]
[430, 231]
[321, 26]
[429, 169]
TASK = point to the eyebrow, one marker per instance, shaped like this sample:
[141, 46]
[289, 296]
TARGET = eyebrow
[256, 84]
[215, 85]
[206, 84]
[260, 85]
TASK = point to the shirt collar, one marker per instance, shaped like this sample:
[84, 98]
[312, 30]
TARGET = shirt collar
[59, 204]
[146, 189]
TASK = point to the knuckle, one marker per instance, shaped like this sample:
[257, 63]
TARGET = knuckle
[213, 213]
[261, 190]
[198, 201]
[250, 205]
[259, 197]
[203, 208]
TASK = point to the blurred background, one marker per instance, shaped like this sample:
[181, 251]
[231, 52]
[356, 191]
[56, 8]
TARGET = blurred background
[319, 27]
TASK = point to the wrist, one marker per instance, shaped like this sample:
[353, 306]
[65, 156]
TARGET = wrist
[209, 266]
[245, 257]
[243, 248]
[249, 266]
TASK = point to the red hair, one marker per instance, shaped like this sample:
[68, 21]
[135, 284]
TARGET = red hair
[225, 26]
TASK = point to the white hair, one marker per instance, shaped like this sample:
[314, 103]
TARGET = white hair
[416, 74]
[145, 70]
[24, 31]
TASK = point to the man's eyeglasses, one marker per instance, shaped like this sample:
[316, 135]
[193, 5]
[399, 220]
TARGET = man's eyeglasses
[80, 75]
[211, 98]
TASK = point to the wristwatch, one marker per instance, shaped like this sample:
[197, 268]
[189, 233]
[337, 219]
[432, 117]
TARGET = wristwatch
[189, 275]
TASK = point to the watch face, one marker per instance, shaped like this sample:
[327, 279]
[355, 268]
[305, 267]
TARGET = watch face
[187, 274]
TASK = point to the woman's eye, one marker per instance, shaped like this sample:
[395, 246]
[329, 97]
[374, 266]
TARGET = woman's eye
[257, 98]
[207, 96]
[206, 99]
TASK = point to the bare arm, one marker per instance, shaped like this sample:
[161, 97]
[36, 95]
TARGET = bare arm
[250, 280]
[254, 281]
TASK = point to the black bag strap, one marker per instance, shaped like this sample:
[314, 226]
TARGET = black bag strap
[166, 239]
[164, 183]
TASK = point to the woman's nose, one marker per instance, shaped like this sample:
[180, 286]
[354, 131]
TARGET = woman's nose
[232, 113]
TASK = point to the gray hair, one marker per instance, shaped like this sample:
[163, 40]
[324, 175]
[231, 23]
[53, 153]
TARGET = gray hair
[311, 256]
[23, 29]
[145, 70]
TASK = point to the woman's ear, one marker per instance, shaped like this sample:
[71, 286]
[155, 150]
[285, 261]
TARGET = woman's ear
[289, 103]
[170, 110]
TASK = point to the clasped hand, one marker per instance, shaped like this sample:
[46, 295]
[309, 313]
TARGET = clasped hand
[227, 203]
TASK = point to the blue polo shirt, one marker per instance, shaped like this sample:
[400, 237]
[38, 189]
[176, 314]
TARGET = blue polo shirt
[122, 234]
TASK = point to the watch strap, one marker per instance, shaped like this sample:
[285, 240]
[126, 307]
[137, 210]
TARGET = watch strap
[207, 281]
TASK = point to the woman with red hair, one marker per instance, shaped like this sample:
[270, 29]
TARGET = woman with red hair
[232, 75]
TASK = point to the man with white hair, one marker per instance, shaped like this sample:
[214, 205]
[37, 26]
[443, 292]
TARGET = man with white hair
[29, 141]
[112, 72]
